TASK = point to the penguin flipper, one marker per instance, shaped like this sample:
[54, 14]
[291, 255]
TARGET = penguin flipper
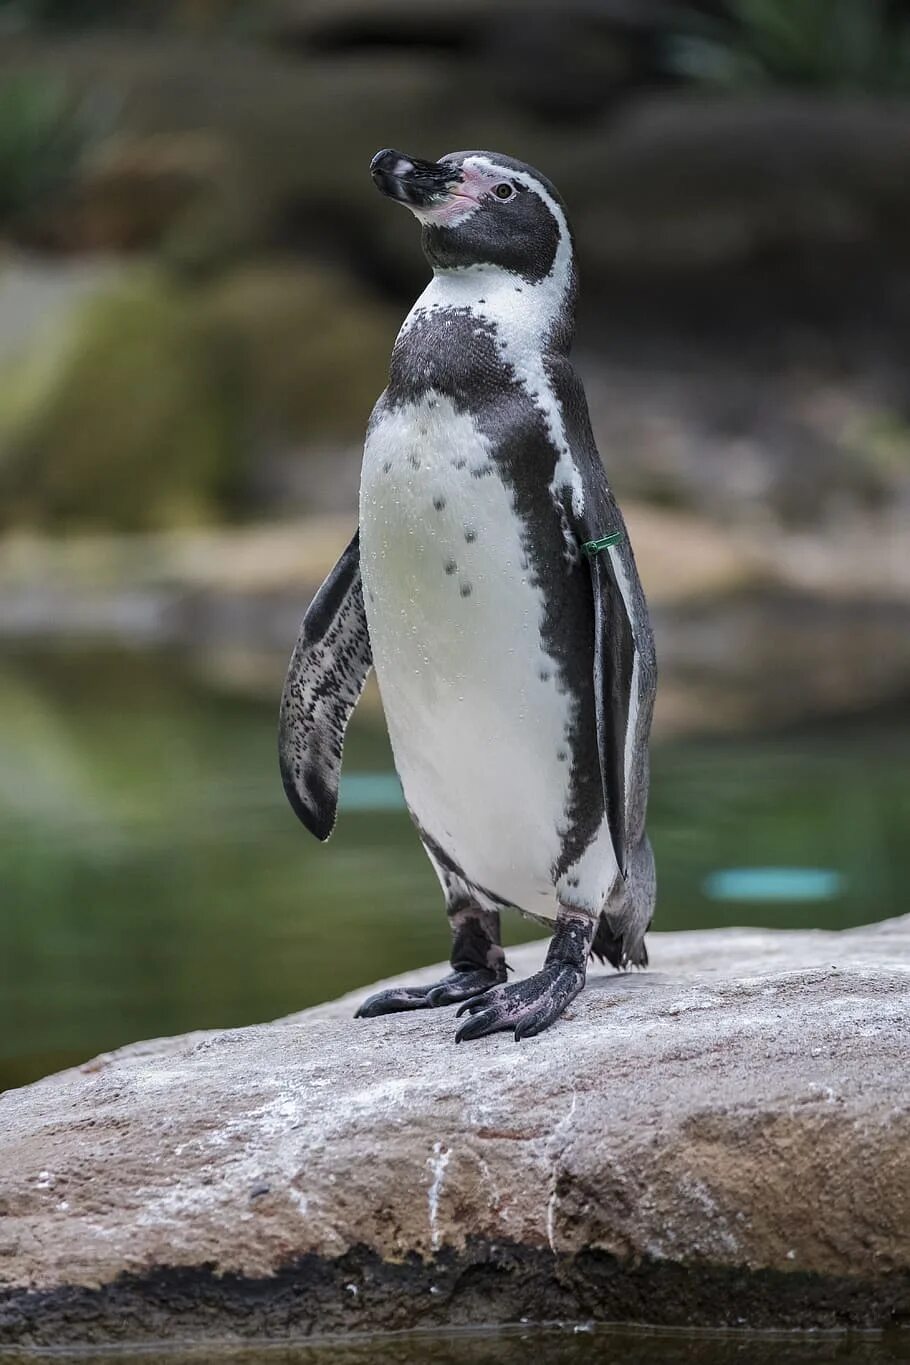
[614, 666]
[326, 675]
[625, 669]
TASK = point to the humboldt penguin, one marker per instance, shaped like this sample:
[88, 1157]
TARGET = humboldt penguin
[492, 586]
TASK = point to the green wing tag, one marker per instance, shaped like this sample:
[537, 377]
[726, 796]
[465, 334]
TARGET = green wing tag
[593, 547]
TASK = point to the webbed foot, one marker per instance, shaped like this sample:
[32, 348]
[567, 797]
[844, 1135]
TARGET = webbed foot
[457, 986]
[525, 1007]
[528, 1007]
[478, 963]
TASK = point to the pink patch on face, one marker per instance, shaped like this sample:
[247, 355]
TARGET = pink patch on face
[462, 200]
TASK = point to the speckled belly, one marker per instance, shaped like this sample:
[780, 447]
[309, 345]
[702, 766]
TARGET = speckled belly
[476, 712]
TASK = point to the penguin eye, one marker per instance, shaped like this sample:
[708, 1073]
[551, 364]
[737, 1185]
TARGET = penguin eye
[504, 190]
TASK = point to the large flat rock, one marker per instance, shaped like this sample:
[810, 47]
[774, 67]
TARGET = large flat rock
[724, 1139]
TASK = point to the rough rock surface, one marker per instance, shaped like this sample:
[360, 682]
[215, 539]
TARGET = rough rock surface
[723, 1139]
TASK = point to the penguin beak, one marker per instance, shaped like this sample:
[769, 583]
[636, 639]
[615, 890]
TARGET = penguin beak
[418, 184]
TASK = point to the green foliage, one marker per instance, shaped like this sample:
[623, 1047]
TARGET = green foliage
[75, 14]
[881, 439]
[63, 12]
[840, 45]
[42, 138]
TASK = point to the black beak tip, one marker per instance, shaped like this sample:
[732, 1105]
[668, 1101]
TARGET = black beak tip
[378, 161]
[409, 180]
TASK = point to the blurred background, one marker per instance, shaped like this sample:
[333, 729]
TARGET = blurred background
[199, 290]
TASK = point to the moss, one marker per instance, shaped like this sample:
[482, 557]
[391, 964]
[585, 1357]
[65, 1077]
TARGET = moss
[156, 402]
[125, 421]
[312, 349]
[881, 441]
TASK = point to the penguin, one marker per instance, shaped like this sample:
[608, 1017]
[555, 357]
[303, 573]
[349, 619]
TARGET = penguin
[492, 587]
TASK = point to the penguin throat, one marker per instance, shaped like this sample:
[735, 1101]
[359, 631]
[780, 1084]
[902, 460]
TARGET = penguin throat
[528, 318]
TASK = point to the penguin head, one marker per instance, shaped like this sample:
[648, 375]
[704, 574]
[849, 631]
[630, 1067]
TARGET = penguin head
[479, 208]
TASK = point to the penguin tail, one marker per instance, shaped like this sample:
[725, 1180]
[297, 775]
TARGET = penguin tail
[616, 948]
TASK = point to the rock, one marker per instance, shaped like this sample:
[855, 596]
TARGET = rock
[121, 417]
[786, 173]
[36, 292]
[312, 351]
[763, 659]
[154, 404]
[721, 1140]
[750, 631]
[743, 260]
[659, 179]
[134, 191]
[773, 448]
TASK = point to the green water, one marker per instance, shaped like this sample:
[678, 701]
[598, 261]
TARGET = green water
[566, 1346]
[153, 879]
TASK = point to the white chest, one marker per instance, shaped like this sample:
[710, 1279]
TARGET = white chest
[476, 716]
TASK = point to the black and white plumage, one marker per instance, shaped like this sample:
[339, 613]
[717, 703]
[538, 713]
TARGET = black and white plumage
[517, 671]
[327, 673]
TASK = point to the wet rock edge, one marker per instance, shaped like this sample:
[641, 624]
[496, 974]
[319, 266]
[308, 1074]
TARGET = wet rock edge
[482, 1285]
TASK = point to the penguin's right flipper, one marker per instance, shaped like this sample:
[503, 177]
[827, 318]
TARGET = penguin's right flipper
[326, 675]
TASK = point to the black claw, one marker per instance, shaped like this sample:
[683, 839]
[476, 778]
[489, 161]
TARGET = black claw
[477, 1026]
[474, 1003]
[524, 1008]
[483, 994]
[444, 995]
[393, 1002]
[464, 985]
[459, 986]
[528, 1028]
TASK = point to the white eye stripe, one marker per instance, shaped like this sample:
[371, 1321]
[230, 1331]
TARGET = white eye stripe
[482, 163]
[551, 290]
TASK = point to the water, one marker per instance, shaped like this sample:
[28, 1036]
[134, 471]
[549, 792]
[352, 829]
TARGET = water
[565, 1346]
[154, 880]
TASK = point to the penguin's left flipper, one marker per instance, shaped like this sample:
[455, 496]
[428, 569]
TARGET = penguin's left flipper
[326, 675]
[623, 693]
[614, 674]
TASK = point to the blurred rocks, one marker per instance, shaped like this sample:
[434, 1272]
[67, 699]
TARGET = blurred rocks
[157, 404]
[136, 192]
[37, 295]
[822, 443]
[312, 348]
[280, 361]
[658, 178]
[120, 420]
[762, 659]
[745, 261]
[718, 1141]
[751, 634]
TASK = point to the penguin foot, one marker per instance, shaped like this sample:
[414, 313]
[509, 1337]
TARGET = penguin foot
[452, 989]
[528, 1007]
[524, 1007]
